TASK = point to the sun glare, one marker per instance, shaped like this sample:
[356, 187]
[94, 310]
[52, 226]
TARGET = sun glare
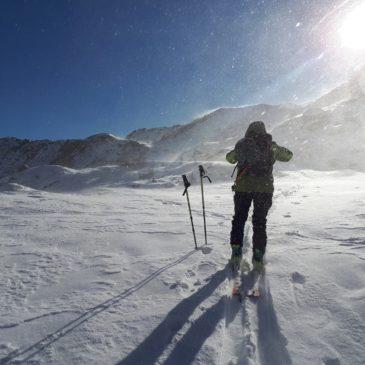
[352, 31]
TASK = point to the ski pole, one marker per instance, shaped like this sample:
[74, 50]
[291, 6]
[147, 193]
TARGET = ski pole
[202, 176]
[186, 185]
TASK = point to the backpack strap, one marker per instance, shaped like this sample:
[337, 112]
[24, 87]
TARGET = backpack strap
[242, 173]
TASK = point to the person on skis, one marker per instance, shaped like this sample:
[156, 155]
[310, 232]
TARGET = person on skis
[255, 155]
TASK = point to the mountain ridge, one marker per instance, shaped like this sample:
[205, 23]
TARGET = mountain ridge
[326, 134]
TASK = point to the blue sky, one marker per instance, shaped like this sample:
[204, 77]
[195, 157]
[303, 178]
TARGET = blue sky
[69, 69]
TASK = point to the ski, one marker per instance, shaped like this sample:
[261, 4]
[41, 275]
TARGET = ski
[239, 269]
[254, 293]
[246, 281]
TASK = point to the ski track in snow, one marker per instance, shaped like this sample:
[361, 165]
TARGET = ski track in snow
[111, 277]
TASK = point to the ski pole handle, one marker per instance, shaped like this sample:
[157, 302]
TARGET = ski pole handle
[202, 173]
[186, 184]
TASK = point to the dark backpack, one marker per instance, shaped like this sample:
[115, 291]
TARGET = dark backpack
[255, 156]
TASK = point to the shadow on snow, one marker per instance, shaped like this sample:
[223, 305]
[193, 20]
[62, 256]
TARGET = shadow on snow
[271, 343]
[51, 338]
[186, 349]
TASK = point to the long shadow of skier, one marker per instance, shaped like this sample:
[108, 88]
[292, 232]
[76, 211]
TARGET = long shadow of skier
[226, 308]
[48, 340]
[271, 342]
[154, 345]
[188, 347]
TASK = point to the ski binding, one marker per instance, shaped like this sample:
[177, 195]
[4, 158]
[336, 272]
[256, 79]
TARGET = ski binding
[254, 293]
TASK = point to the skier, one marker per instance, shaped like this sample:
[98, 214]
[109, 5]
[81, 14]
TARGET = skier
[255, 155]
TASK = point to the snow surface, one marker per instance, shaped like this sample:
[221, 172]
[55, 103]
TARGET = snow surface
[96, 273]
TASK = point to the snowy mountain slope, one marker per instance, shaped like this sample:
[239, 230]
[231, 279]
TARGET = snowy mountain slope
[326, 134]
[152, 135]
[98, 150]
[15, 153]
[208, 138]
[330, 137]
[353, 89]
[118, 280]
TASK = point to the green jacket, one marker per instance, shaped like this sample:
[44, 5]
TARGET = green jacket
[260, 184]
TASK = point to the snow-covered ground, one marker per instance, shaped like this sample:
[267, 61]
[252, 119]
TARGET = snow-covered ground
[109, 275]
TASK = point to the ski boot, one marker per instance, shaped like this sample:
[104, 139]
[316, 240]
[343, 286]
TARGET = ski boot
[258, 259]
[236, 256]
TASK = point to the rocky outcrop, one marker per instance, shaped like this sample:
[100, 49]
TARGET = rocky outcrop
[98, 150]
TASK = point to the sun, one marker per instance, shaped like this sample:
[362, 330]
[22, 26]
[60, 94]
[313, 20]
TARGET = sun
[352, 31]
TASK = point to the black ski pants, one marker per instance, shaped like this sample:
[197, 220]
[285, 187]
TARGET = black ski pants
[261, 205]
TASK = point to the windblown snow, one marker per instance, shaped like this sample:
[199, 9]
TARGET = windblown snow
[326, 134]
[98, 264]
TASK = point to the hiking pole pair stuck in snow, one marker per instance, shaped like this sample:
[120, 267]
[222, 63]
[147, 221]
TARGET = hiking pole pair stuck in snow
[187, 184]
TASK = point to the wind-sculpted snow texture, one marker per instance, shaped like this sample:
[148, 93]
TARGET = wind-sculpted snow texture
[109, 276]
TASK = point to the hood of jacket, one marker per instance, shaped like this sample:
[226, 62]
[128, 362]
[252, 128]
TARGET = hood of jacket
[255, 129]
